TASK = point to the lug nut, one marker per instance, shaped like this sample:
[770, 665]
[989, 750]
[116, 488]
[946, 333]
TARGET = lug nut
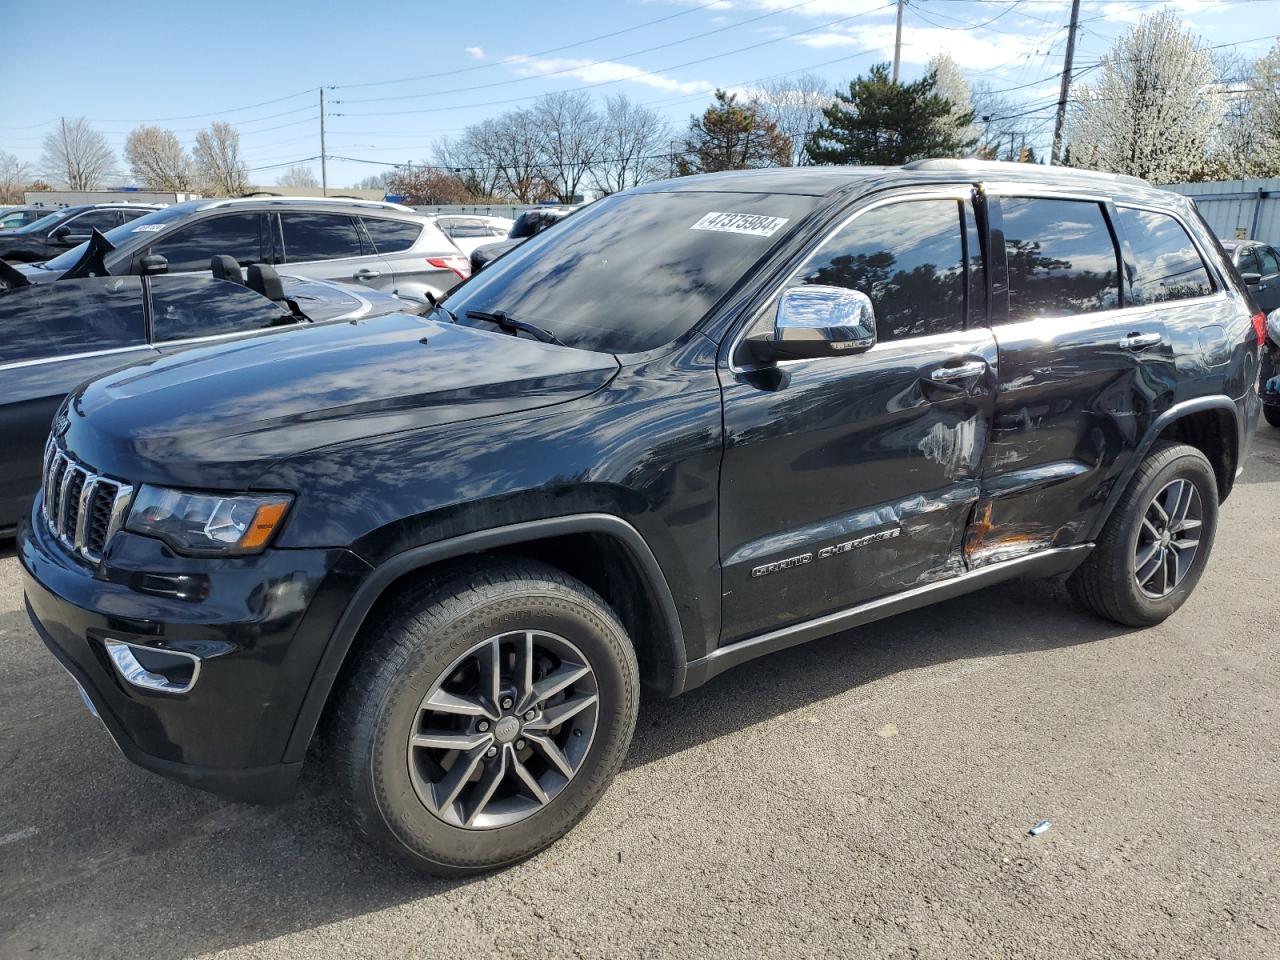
[506, 703]
[482, 726]
[491, 752]
[530, 714]
[519, 744]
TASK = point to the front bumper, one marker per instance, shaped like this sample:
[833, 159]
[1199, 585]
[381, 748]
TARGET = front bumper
[257, 627]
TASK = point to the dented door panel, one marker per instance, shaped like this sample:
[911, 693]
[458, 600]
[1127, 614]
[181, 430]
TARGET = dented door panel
[847, 479]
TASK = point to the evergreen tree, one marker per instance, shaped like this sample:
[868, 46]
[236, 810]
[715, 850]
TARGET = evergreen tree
[882, 122]
[733, 136]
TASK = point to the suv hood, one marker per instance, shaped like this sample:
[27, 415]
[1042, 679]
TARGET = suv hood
[217, 416]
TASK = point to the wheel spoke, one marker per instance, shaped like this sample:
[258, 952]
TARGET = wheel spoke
[548, 748]
[1150, 566]
[1164, 573]
[1145, 559]
[1170, 570]
[436, 740]
[565, 675]
[444, 702]
[528, 779]
[524, 672]
[552, 718]
[1182, 493]
[1151, 529]
[1162, 515]
[1181, 545]
[447, 790]
[491, 672]
[1187, 524]
[486, 786]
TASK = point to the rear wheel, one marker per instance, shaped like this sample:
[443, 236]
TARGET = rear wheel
[485, 718]
[1156, 543]
[1272, 413]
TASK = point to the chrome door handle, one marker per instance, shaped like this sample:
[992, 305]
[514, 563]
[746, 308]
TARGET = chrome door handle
[1140, 341]
[961, 371]
[366, 275]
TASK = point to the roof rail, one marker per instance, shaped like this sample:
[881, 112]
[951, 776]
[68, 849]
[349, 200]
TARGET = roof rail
[996, 167]
[341, 201]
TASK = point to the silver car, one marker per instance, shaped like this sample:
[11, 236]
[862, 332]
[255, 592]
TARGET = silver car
[381, 245]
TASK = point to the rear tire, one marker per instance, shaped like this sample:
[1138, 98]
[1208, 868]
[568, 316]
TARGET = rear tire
[1144, 568]
[441, 682]
[1272, 413]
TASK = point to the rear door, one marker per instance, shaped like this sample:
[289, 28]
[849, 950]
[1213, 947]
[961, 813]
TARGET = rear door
[1267, 292]
[393, 241]
[52, 337]
[1085, 368]
[330, 246]
[849, 478]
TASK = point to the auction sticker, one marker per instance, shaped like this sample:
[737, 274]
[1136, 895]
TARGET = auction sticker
[752, 224]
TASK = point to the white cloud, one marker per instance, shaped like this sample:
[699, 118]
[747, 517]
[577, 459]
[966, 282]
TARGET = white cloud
[967, 48]
[476, 52]
[606, 71]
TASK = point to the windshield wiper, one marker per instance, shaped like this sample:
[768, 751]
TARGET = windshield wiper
[508, 322]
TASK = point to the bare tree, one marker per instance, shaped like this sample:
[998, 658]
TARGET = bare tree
[512, 145]
[634, 142]
[299, 175]
[572, 136]
[996, 122]
[217, 155]
[471, 158]
[795, 104]
[157, 160]
[1156, 109]
[13, 175]
[77, 155]
[375, 181]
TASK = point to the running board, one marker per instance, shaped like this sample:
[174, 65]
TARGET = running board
[1043, 563]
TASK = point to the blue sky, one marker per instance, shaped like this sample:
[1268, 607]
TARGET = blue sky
[259, 65]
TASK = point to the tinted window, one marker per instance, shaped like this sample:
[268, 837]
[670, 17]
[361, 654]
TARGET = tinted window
[1248, 261]
[468, 228]
[48, 220]
[908, 258]
[190, 248]
[1270, 262]
[1062, 260]
[391, 236]
[127, 215]
[200, 306]
[1166, 264]
[70, 316]
[633, 271]
[128, 237]
[319, 236]
[103, 220]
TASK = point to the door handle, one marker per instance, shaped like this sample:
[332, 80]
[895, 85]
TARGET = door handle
[961, 371]
[1140, 341]
[366, 274]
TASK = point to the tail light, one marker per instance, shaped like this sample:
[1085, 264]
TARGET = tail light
[455, 262]
[1260, 326]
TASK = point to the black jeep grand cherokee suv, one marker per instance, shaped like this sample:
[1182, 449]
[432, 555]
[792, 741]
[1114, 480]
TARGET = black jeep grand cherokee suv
[699, 421]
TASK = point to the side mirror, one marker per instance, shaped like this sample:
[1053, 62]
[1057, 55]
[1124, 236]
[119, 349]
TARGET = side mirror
[1273, 326]
[1251, 279]
[152, 264]
[817, 321]
[61, 234]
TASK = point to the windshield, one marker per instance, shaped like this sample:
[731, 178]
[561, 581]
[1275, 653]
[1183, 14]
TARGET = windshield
[47, 220]
[633, 271]
[141, 228]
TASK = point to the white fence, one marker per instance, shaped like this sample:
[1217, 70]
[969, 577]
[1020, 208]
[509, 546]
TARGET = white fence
[510, 210]
[1236, 209]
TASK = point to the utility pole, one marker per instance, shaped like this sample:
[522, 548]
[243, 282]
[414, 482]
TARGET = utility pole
[324, 169]
[897, 40]
[1056, 151]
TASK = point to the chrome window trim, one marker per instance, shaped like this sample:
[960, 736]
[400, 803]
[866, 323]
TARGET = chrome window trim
[957, 192]
[1209, 263]
[75, 356]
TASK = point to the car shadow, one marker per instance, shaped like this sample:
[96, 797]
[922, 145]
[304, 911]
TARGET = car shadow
[98, 837]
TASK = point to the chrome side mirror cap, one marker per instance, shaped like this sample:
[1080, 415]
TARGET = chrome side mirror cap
[814, 321]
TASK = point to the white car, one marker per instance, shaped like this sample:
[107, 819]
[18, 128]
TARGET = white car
[471, 230]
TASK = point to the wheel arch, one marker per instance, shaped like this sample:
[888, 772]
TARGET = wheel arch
[602, 550]
[1211, 424]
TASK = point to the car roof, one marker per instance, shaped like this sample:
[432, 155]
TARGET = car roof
[310, 203]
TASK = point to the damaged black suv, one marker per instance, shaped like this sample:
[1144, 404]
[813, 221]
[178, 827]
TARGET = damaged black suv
[699, 421]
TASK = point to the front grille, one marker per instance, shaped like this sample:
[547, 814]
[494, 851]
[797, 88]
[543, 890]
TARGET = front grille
[82, 509]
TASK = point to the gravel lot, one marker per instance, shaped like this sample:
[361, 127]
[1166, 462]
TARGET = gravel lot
[864, 796]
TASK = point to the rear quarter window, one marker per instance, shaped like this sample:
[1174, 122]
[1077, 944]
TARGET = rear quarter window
[391, 236]
[1166, 263]
[1062, 259]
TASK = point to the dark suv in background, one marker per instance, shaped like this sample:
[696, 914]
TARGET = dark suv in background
[697, 422]
[61, 230]
[382, 246]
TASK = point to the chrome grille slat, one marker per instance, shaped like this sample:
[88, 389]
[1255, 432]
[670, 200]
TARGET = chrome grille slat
[81, 508]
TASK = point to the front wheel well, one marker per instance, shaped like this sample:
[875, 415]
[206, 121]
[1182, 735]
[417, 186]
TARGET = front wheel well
[1213, 433]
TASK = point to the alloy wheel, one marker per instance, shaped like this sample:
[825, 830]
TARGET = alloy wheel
[1168, 539]
[503, 730]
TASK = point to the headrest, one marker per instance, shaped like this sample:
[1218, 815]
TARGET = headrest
[263, 278]
[224, 267]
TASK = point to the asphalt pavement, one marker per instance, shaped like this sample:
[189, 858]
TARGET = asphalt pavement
[868, 795]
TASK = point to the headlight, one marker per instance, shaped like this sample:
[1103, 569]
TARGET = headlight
[208, 523]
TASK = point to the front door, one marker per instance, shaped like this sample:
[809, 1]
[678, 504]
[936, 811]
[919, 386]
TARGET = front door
[850, 478]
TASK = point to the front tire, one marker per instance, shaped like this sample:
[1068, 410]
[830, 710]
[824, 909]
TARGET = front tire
[485, 718]
[1154, 546]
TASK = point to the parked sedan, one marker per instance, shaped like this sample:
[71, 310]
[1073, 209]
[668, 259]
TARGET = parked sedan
[15, 217]
[381, 246]
[69, 227]
[56, 335]
[1259, 267]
